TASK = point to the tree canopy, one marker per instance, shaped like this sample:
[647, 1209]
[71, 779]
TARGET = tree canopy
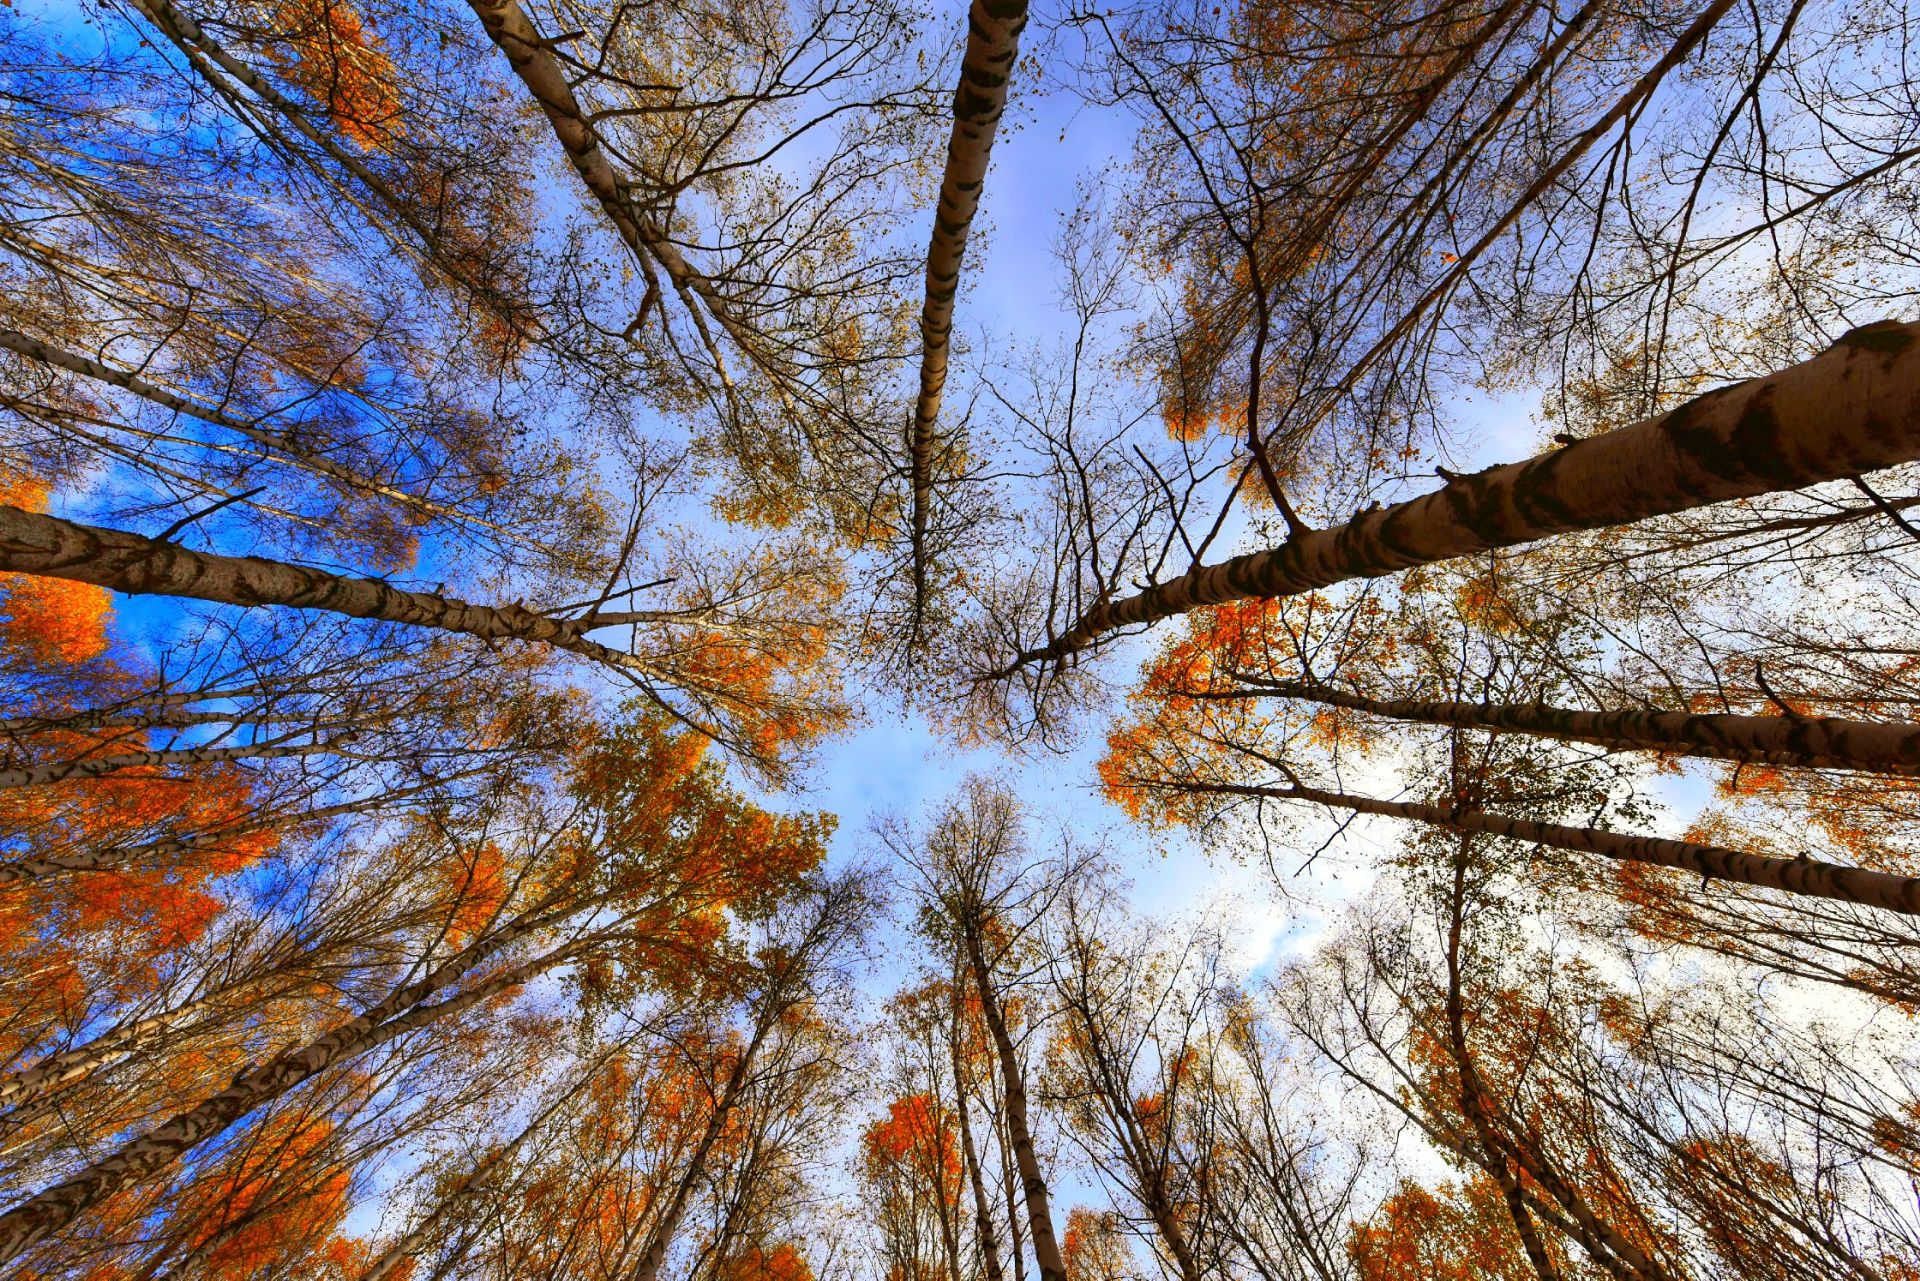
[1390, 525]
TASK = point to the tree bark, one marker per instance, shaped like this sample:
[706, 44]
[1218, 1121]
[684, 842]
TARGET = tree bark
[1046, 1246]
[100, 766]
[1810, 742]
[19, 727]
[1853, 409]
[1789, 875]
[982, 1211]
[31, 543]
[993, 44]
[533, 62]
[67, 1066]
[1010, 1191]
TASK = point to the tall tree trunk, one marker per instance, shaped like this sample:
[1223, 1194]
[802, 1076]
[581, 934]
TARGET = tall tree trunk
[1046, 1245]
[658, 1242]
[1010, 1190]
[67, 1066]
[101, 766]
[1853, 409]
[982, 1211]
[400, 1012]
[1811, 742]
[1137, 1147]
[126, 722]
[993, 45]
[546, 80]
[1790, 875]
[31, 543]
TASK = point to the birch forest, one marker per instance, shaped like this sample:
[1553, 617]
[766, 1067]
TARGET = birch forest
[959, 640]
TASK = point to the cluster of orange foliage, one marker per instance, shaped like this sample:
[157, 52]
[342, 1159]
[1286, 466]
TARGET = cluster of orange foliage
[100, 935]
[917, 1144]
[1484, 602]
[755, 652]
[1454, 1232]
[782, 1263]
[272, 1196]
[477, 878]
[911, 1161]
[1177, 731]
[668, 819]
[1094, 1248]
[48, 621]
[766, 691]
[335, 59]
[1181, 728]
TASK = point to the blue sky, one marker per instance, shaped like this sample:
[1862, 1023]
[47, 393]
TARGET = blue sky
[1049, 147]
[895, 764]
